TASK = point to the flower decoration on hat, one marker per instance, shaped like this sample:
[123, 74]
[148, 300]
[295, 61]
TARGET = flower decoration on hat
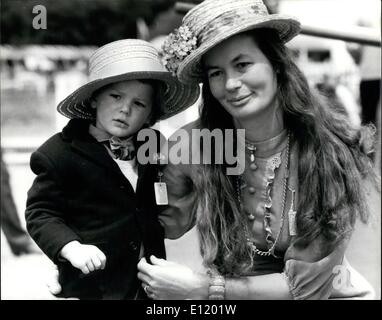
[259, 10]
[177, 46]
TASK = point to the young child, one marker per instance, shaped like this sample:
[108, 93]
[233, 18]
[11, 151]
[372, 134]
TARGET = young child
[92, 207]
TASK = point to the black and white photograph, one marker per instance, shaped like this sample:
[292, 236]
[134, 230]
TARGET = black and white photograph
[190, 150]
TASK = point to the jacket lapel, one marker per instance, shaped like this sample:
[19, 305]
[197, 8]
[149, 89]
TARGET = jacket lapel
[141, 174]
[95, 152]
[141, 168]
[146, 169]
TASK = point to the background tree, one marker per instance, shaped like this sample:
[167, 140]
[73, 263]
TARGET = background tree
[77, 22]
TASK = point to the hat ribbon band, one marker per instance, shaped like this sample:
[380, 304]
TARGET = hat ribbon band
[139, 65]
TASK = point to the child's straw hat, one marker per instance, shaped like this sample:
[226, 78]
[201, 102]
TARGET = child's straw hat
[129, 59]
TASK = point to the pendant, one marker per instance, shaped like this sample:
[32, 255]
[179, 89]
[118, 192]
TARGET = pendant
[251, 217]
[292, 222]
[252, 157]
[251, 190]
[161, 193]
[251, 147]
[253, 166]
[292, 217]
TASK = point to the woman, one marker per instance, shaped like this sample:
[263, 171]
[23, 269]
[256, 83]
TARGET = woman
[280, 229]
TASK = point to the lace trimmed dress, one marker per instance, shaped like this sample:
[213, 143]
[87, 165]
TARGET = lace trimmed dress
[315, 272]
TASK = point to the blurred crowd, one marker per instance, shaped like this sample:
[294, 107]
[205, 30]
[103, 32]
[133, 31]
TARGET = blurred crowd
[351, 78]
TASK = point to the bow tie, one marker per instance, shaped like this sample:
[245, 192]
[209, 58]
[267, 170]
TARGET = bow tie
[122, 149]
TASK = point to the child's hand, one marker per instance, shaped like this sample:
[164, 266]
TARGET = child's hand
[85, 257]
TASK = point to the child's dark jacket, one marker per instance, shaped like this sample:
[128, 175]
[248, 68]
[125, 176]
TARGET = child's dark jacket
[81, 194]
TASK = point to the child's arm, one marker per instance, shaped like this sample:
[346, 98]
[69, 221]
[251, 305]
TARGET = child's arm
[47, 208]
[85, 257]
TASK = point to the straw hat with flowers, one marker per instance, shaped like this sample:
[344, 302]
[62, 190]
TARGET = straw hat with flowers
[213, 21]
[129, 59]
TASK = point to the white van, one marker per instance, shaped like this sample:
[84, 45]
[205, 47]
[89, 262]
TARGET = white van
[320, 58]
[327, 61]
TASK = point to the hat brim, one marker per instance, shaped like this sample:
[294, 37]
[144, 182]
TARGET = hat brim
[175, 96]
[190, 69]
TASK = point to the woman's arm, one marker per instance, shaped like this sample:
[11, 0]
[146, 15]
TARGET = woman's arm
[272, 286]
[169, 280]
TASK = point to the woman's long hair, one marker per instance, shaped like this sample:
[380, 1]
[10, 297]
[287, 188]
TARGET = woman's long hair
[333, 162]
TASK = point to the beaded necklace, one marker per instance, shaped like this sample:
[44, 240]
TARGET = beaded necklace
[253, 166]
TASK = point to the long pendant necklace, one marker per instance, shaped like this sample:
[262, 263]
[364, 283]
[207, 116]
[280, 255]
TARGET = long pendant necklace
[271, 250]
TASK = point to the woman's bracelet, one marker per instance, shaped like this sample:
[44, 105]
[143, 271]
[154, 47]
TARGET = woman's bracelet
[216, 289]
